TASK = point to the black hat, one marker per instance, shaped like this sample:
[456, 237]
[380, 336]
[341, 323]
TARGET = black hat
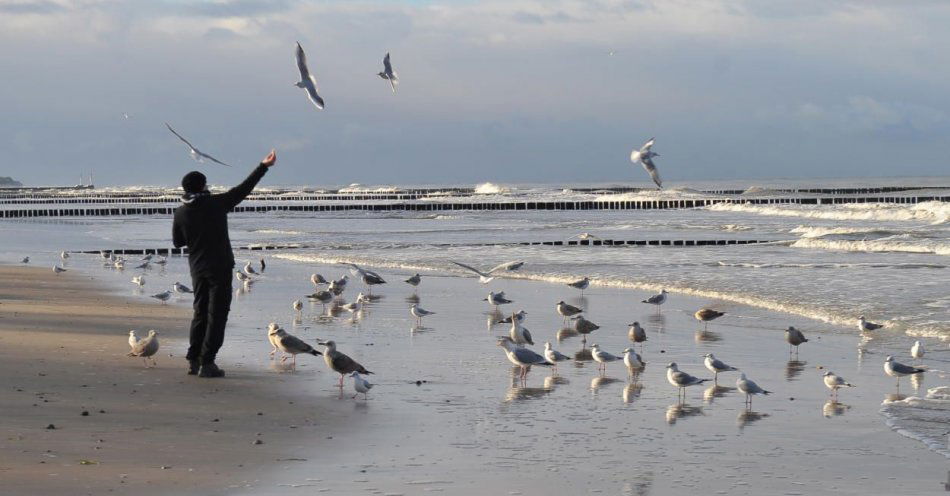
[193, 182]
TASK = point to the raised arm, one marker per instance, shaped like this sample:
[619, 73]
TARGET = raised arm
[238, 193]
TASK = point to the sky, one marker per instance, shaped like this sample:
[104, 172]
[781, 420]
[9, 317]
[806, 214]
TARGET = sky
[509, 91]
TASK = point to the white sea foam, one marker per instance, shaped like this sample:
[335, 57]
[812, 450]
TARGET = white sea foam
[891, 244]
[922, 418]
[819, 232]
[932, 212]
[491, 189]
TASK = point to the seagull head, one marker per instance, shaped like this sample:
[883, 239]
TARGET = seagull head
[828, 373]
[132, 332]
[331, 345]
[152, 333]
[505, 342]
[547, 345]
[741, 376]
[272, 327]
[627, 350]
[672, 366]
[889, 358]
[709, 356]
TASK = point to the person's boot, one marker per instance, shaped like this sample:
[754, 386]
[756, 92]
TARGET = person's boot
[193, 367]
[210, 370]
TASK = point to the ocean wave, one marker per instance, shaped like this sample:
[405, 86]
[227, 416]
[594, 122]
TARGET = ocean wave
[831, 265]
[932, 212]
[359, 188]
[653, 194]
[890, 244]
[921, 418]
[491, 189]
[820, 232]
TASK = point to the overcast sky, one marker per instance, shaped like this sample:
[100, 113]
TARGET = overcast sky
[504, 91]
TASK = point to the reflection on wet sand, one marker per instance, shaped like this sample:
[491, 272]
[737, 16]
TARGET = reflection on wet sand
[413, 299]
[715, 391]
[493, 317]
[583, 355]
[832, 408]
[416, 329]
[703, 336]
[517, 391]
[281, 366]
[747, 417]
[793, 369]
[579, 302]
[631, 391]
[894, 397]
[564, 333]
[917, 380]
[555, 380]
[601, 381]
[677, 411]
[656, 323]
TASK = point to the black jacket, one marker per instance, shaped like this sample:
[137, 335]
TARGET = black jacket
[202, 225]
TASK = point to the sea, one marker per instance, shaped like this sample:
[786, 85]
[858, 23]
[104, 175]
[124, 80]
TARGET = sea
[828, 262]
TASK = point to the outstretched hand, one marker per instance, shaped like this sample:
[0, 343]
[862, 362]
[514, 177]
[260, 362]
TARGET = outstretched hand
[270, 158]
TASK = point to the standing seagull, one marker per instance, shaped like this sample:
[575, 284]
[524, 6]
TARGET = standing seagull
[602, 357]
[360, 385]
[645, 156]
[307, 81]
[181, 288]
[657, 300]
[917, 351]
[584, 326]
[633, 361]
[522, 357]
[795, 338]
[519, 334]
[297, 306]
[637, 334]
[681, 379]
[340, 363]
[898, 370]
[716, 366]
[318, 280]
[414, 280]
[567, 311]
[750, 388]
[133, 339]
[388, 73]
[419, 312]
[163, 296]
[867, 326]
[554, 356]
[145, 348]
[196, 154]
[290, 344]
[495, 299]
[248, 269]
[835, 382]
[57, 269]
[138, 280]
[705, 315]
[581, 284]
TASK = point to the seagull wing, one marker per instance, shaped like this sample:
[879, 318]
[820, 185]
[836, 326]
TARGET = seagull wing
[190, 146]
[473, 269]
[296, 345]
[302, 63]
[387, 67]
[358, 269]
[527, 356]
[651, 169]
[307, 79]
[392, 82]
[209, 157]
[508, 266]
[646, 146]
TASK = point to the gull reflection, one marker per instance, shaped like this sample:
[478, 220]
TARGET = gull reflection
[579, 302]
[583, 355]
[656, 322]
[747, 417]
[793, 368]
[704, 336]
[889, 397]
[917, 380]
[564, 333]
[600, 381]
[554, 380]
[832, 408]
[631, 391]
[413, 298]
[715, 391]
[677, 411]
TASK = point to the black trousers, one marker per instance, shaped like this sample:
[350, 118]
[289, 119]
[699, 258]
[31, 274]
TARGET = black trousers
[212, 304]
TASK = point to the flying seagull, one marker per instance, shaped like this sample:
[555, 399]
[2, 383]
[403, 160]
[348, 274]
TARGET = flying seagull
[388, 73]
[307, 81]
[196, 154]
[486, 277]
[645, 156]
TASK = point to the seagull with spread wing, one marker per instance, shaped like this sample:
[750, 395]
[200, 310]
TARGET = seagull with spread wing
[388, 73]
[307, 81]
[645, 156]
[196, 154]
[486, 277]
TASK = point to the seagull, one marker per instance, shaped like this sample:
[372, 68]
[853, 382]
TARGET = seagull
[143, 265]
[272, 337]
[308, 82]
[119, 264]
[495, 299]
[519, 334]
[419, 312]
[138, 280]
[898, 370]
[414, 280]
[637, 334]
[585, 236]
[917, 351]
[567, 311]
[632, 360]
[748, 387]
[486, 277]
[602, 357]
[706, 315]
[57, 269]
[196, 154]
[145, 348]
[356, 306]
[181, 288]
[716, 366]
[338, 286]
[248, 269]
[25, 260]
[161, 261]
[340, 363]
[521, 315]
[163, 296]
[657, 300]
[522, 357]
[553, 356]
[133, 339]
[581, 284]
[63, 255]
[290, 344]
[297, 306]
[360, 385]
[645, 156]
[867, 326]
[388, 73]
[321, 296]
[369, 277]
[835, 382]
[795, 338]
[681, 379]
[584, 326]
[318, 280]
[241, 276]
[147, 258]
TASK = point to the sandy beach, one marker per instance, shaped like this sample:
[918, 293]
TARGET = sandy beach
[447, 414]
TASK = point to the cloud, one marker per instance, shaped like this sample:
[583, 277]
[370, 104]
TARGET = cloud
[864, 114]
[29, 7]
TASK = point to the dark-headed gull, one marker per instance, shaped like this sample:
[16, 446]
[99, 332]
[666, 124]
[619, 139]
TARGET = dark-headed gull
[645, 156]
[388, 73]
[307, 81]
[196, 154]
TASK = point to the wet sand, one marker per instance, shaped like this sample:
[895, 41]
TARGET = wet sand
[447, 414]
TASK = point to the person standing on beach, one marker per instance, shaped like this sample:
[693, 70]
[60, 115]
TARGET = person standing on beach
[202, 225]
